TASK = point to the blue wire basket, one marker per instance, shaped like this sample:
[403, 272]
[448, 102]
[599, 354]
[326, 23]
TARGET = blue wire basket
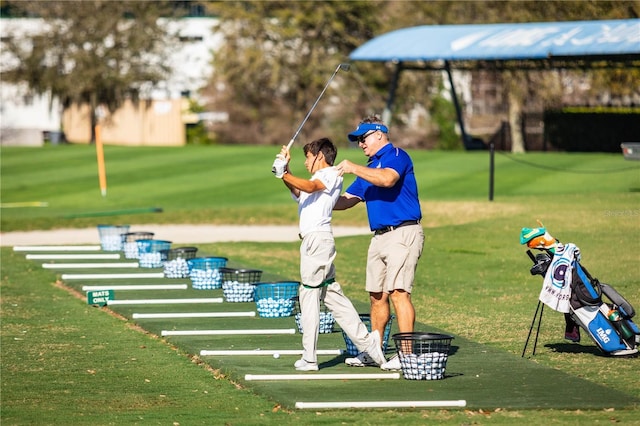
[352, 350]
[130, 243]
[149, 252]
[205, 272]
[274, 300]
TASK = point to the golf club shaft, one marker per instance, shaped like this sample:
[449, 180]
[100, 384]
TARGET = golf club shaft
[313, 107]
[295, 135]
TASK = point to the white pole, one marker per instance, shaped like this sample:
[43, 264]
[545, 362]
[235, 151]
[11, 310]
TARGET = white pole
[195, 315]
[136, 287]
[57, 248]
[381, 404]
[163, 301]
[307, 376]
[227, 332]
[90, 265]
[110, 276]
[269, 352]
[78, 256]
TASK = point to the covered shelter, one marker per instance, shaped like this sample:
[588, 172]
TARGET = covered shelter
[539, 45]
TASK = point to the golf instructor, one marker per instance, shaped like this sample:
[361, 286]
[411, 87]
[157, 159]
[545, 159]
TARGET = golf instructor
[388, 187]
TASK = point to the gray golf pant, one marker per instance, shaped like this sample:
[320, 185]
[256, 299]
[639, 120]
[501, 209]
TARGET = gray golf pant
[317, 253]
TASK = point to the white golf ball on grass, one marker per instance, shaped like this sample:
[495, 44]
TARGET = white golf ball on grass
[276, 355]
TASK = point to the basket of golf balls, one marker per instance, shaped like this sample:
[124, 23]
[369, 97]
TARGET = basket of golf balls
[205, 272]
[274, 300]
[239, 285]
[111, 236]
[149, 252]
[352, 349]
[130, 245]
[175, 261]
[423, 356]
[326, 317]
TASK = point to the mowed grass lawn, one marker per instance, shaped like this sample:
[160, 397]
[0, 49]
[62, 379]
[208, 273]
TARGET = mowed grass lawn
[64, 362]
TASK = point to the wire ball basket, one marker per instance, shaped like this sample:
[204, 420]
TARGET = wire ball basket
[239, 285]
[130, 244]
[352, 349]
[275, 300]
[175, 261]
[149, 252]
[423, 356]
[111, 236]
[327, 320]
[204, 272]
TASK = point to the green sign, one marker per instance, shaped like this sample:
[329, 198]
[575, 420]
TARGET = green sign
[99, 297]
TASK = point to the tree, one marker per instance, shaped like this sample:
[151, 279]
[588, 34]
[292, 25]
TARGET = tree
[93, 52]
[277, 57]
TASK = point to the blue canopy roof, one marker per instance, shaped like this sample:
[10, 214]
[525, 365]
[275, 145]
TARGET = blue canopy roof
[504, 42]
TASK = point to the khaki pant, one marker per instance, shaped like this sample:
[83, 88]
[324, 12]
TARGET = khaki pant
[392, 259]
[317, 253]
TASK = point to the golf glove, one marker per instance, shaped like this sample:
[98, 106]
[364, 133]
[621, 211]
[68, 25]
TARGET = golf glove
[279, 167]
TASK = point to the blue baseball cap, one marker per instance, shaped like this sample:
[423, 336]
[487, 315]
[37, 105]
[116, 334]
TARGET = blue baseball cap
[364, 128]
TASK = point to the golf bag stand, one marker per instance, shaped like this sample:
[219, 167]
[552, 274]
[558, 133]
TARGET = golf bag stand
[540, 308]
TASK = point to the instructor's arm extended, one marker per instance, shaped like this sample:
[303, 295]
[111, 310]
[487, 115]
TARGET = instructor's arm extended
[384, 178]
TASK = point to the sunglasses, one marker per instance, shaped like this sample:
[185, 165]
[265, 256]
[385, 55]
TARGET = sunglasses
[361, 139]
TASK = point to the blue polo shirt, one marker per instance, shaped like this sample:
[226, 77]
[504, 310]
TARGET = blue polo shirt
[389, 206]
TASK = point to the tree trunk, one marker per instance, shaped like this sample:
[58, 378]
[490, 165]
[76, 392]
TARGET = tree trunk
[515, 124]
[94, 119]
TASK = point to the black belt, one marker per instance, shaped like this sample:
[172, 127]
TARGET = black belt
[386, 229]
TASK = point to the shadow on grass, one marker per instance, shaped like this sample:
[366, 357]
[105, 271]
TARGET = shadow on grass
[572, 348]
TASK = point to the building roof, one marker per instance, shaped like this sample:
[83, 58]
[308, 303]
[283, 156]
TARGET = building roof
[551, 42]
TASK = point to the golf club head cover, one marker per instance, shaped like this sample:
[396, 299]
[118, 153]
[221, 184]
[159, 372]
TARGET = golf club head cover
[279, 167]
[537, 238]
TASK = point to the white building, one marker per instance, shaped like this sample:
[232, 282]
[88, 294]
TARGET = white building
[25, 118]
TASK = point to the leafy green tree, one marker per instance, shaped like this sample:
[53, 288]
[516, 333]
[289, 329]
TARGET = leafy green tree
[276, 59]
[93, 52]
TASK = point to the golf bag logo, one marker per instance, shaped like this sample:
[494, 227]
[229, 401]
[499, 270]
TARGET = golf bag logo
[604, 335]
[559, 268]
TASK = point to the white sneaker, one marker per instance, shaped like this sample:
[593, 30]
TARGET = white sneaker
[302, 365]
[392, 364]
[361, 360]
[375, 350]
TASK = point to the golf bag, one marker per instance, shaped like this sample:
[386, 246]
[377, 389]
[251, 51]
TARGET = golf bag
[595, 307]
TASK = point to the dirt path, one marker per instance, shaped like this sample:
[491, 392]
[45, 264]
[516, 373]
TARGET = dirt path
[177, 234]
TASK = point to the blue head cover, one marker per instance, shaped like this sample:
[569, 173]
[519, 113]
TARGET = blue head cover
[364, 128]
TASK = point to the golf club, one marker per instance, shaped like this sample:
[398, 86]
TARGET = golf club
[344, 67]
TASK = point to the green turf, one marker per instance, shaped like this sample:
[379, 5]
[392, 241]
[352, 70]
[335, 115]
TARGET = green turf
[79, 365]
[219, 184]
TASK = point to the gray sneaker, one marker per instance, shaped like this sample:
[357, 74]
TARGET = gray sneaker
[375, 350]
[361, 360]
[302, 365]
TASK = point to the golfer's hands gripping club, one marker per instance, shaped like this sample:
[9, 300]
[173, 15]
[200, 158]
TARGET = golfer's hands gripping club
[281, 163]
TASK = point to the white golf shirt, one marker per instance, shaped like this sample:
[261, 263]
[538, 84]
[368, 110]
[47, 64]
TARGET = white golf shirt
[315, 209]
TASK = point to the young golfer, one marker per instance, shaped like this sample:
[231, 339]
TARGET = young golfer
[316, 198]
